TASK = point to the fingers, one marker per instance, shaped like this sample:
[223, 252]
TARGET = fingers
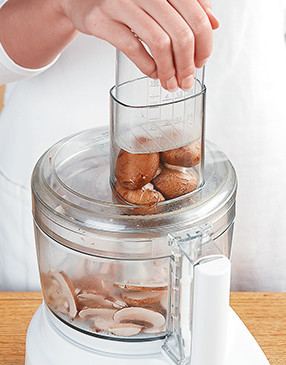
[199, 22]
[181, 43]
[207, 6]
[178, 33]
[177, 44]
[158, 42]
[190, 32]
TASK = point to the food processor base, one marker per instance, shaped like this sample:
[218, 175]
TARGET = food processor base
[51, 342]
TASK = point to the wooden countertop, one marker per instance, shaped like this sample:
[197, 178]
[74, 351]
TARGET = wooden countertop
[263, 313]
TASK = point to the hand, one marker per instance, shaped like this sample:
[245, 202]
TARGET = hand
[177, 32]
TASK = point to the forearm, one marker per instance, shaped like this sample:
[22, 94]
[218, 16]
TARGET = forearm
[34, 32]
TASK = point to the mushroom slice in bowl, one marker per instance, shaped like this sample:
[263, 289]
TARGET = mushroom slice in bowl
[66, 291]
[125, 329]
[140, 316]
[141, 298]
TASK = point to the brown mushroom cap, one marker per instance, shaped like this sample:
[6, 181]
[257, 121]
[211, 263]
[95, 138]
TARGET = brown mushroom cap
[136, 170]
[146, 195]
[173, 183]
[186, 156]
[141, 316]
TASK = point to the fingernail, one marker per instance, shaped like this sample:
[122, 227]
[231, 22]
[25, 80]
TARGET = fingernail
[201, 63]
[154, 75]
[172, 84]
[213, 19]
[187, 83]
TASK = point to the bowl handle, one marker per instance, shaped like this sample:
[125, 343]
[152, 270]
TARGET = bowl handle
[198, 301]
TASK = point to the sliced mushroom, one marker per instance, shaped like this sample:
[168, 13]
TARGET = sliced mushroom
[172, 183]
[134, 170]
[96, 313]
[93, 301]
[51, 289]
[141, 316]
[146, 195]
[102, 319]
[141, 298]
[142, 287]
[116, 301]
[62, 308]
[125, 329]
[66, 291]
[187, 156]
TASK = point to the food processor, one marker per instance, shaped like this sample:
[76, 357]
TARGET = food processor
[133, 231]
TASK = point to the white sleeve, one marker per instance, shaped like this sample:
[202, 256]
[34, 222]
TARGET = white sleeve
[10, 71]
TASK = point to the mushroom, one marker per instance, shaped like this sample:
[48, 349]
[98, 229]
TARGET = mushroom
[157, 307]
[159, 170]
[125, 329]
[66, 291]
[104, 319]
[51, 289]
[141, 298]
[173, 183]
[146, 195]
[62, 308]
[116, 301]
[140, 316]
[96, 313]
[187, 156]
[142, 287]
[134, 170]
[93, 301]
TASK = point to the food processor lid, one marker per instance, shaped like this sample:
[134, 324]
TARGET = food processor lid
[71, 189]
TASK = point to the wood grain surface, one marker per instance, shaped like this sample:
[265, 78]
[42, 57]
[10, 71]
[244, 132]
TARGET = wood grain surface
[263, 313]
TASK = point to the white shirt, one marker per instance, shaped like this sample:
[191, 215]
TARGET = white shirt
[70, 96]
[245, 117]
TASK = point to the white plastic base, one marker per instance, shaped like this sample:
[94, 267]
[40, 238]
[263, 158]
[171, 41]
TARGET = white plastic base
[51, 342]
